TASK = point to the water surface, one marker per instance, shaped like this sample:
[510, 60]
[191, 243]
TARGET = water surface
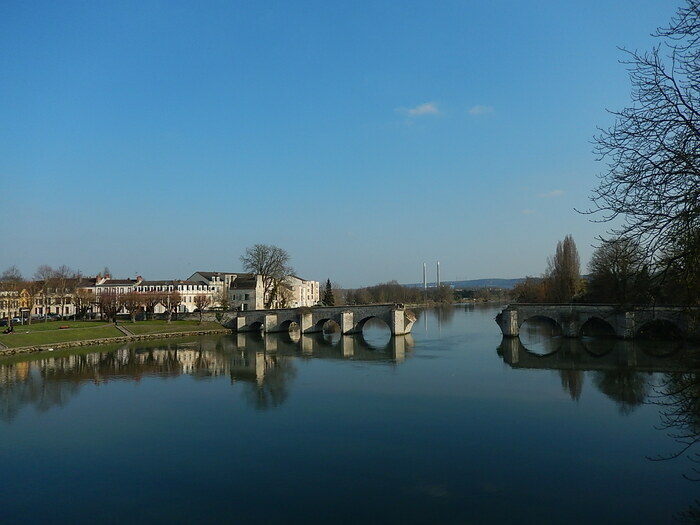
[449, 425]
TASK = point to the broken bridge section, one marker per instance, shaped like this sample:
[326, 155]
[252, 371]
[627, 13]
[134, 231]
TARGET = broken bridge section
[350, 319]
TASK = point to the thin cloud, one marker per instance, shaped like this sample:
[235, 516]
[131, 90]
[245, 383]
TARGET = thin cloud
[552, 194]
[480, 109]
[429, 108]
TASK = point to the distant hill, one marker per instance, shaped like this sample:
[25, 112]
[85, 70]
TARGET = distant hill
[506, 284]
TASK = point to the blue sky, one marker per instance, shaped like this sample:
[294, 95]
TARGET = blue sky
[365, 138]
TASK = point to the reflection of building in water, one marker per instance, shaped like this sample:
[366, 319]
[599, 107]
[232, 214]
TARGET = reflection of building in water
[51, 381]
[263, 363]
[190, 361]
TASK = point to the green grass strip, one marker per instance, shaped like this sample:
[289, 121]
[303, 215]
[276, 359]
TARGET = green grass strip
[25, 336]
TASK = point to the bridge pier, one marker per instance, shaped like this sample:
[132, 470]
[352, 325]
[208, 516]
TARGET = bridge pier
[398, 346]
[270, 323]
[629, 328]
[306, 322]
[569, 323]
[508, 321]
[401, 322]
[347, 346]
[307, 345]
[347, 323]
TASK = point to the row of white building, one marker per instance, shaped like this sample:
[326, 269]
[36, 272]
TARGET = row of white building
[241, 291]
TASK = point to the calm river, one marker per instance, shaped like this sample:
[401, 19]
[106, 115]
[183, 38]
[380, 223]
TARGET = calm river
[448, 425]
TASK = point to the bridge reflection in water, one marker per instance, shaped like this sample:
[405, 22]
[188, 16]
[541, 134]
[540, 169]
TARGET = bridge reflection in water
[264, 363]
[629, 372]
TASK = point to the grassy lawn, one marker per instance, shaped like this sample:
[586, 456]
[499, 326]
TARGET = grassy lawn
[41, 326]
[162, 327]
[47, 333]
[40, 333]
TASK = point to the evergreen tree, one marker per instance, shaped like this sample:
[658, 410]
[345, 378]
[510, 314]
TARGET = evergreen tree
[328, 298]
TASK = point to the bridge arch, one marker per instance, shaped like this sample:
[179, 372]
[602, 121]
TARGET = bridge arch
[325, 322]
[289, 325]
[542, 319]
[596, 326]
[659, 329]
[256, 326]
[362, 322]
[540, 335]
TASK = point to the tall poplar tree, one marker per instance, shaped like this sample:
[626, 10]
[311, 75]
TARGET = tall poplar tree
[563, 277]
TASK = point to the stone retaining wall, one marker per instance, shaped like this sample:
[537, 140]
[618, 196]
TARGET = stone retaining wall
[107, 340]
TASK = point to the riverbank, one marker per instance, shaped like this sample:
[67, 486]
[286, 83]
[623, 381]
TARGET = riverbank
[48, 338]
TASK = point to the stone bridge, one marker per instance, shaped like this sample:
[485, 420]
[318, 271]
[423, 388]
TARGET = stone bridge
[574, 320]
[351, 319]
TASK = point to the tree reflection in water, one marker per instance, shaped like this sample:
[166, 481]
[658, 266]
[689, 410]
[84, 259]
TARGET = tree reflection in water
[273, 389]
[32, 390]
[679, 399]
[572, 382]
[631, 373]
[627, 387]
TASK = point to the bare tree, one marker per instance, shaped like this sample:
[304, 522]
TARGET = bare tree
[563, 276]
[110, 303]
[653, 150]
[133, 302]
[531, 290]
[174, 299]
[65, 281]
[680, 282]
[618, 272]
[11, 275]
[272, 264]
[82, 302]
[45, 274]
[34, 289]
[283, 295]
[151, 300]
[338, 293]
[11, 281]
[223, 300]
[202, 302]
